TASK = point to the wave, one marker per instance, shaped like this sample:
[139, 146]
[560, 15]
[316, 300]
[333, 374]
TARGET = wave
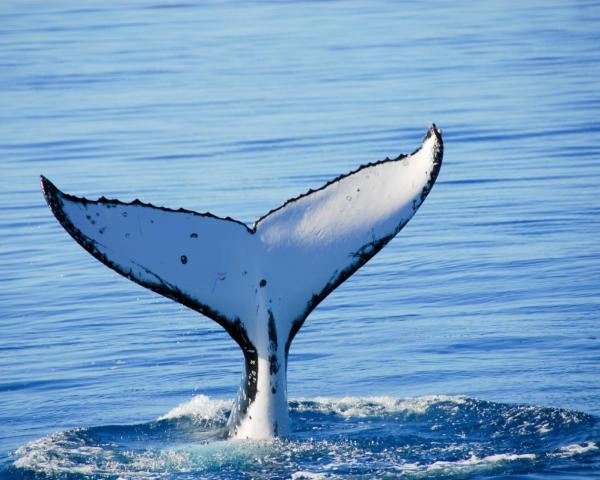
[200, 407]
[352, 437]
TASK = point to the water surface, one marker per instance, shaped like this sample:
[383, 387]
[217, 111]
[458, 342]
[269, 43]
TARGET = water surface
[485, 307]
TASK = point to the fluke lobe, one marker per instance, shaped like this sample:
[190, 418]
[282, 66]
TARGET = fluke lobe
[258, 283]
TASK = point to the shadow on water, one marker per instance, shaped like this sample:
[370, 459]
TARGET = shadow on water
[384, 437]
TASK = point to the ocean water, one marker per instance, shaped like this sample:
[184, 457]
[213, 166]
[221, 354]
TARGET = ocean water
[468, 348]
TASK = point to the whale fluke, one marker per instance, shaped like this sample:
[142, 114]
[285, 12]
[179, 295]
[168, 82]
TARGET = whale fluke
[258, 283]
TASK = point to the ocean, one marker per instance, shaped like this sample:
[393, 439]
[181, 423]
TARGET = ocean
[468, 348]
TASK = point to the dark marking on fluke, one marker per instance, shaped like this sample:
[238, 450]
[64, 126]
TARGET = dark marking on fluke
[273, 343]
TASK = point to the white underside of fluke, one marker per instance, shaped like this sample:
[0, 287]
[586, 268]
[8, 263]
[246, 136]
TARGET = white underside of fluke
[259, 283]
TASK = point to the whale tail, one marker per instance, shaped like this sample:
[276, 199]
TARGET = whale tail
[258, 283]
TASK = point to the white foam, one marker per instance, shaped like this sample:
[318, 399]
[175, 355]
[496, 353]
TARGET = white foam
[545, 428]
[469, 465]
[200, 407]
[59, 454]
[368, 406]
[307, 476]
[65, 453]
[575, 449]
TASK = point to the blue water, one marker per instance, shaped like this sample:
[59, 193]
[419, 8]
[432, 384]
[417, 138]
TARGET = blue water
[468, 348]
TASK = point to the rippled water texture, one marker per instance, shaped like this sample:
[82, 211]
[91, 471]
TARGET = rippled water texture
[468, 348]
[382, 437]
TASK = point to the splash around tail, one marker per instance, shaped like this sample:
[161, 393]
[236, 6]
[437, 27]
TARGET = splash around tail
[434, 437]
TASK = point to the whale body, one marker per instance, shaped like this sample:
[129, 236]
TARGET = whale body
[259, 283]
